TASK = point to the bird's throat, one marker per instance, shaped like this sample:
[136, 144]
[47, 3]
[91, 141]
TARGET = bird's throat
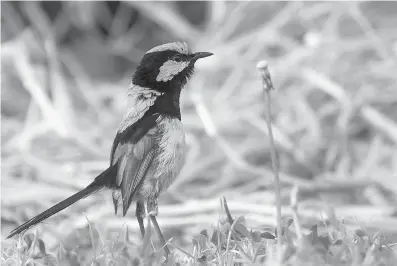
[168, 104]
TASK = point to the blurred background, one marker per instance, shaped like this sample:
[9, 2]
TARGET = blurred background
[65, 72]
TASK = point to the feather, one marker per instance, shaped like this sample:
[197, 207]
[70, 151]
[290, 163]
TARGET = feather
[170, 69]
[169, 158]
[140, 99]
[105, 179]
[133, 172]
[130, 148]
[134, 178]
[172, 145]
[116, 198]
[135, 122]
[180, 47]
[132, 135]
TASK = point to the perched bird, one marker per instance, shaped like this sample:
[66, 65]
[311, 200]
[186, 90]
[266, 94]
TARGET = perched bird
[149, 148]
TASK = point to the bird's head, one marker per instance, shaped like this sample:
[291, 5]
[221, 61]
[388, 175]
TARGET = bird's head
[167, 67]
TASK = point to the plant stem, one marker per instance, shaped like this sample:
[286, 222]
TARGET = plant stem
[267, 87]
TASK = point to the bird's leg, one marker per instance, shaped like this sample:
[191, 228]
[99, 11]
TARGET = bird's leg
[140, 214]
[152, 207]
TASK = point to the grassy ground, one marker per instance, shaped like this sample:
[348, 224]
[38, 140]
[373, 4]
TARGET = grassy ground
[64, 78]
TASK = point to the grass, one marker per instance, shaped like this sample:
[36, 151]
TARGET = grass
[65, 76]
[229, 243]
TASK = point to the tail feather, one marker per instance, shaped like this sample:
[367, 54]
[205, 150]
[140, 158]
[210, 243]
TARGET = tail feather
[103, 180]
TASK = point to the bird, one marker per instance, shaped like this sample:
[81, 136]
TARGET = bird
[149, 148]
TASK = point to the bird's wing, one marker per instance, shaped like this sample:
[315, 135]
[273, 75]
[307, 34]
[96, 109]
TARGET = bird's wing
[134, 150]
[134, 165]
[137, 121]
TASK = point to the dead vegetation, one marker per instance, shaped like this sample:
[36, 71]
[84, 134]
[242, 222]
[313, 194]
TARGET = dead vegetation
[65, 75]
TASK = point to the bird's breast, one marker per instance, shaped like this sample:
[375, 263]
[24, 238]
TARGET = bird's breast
[170, 155]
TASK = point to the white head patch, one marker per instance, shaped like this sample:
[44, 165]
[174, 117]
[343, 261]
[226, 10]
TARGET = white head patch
[170, 69]
[180, 47]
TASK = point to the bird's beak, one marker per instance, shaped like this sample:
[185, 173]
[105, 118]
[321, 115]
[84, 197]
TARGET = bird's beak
[201, 55]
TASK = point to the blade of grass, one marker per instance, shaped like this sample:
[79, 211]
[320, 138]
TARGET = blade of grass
[229, 238]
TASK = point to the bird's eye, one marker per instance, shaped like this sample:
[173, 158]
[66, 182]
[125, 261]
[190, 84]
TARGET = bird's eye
[177, 58]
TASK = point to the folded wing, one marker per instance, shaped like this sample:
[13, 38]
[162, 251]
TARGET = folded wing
[134, 149]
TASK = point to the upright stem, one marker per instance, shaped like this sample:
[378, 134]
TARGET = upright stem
[267, 87]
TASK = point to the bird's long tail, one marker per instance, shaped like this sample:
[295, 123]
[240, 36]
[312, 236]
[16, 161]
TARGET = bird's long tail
[101, 181]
